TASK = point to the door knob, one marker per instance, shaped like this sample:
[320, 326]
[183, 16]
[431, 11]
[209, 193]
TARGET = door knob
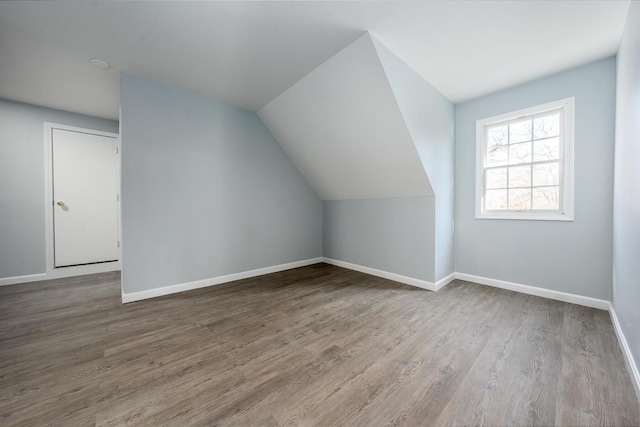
[60, 203]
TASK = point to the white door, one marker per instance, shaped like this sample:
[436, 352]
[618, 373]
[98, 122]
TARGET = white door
[85, 209]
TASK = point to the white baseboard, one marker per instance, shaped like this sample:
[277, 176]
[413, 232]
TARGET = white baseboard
[517, 287]
[22, 279]
[533, 290]
[59, 273]
[445, 281]
[181, 287]
[391, 276]
[626, 351]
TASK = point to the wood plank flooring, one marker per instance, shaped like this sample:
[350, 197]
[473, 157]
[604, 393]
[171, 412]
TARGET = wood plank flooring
[314, 346]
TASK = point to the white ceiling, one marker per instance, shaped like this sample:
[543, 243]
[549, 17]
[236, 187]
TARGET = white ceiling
[248, 53]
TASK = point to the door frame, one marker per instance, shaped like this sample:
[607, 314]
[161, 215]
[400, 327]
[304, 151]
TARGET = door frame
[51, 271]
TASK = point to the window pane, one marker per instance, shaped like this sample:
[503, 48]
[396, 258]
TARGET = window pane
[497, 156]
[520, 176]
[497, 178]
[497, 145]
[520, 199]
[547, 126]
[496, 200]
[520, 131]
[546, 198]
[546, 174]
[497, 136]
[547, 149]
[520, 153]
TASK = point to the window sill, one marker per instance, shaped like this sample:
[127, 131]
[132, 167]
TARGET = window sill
[525, 216]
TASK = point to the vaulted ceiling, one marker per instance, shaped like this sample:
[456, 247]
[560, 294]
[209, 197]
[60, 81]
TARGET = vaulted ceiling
[342, 127]
[249, 53]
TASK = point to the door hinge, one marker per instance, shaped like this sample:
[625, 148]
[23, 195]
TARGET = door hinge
[118, 243]
[117, 197]
[116, 150]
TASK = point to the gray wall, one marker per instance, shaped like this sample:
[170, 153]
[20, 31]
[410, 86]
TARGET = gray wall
[572, 257]
[429, 117]
[393, 235]
[206, 191]
[626, 207]
[22, 217]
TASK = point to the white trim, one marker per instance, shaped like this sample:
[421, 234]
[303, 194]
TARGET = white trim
[569, 155]
[152, 293]
[445, 281]
[543, 108]
[528, 216]
[119, 145]
[181, 287]
[534, 290]
[4, 281]
[391, 276]
[567, 108]
[634, 372]
[51, 272]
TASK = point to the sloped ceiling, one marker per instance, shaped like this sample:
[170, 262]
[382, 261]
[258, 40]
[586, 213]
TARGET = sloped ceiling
[247, 53]
[342, 127]
[347, 129]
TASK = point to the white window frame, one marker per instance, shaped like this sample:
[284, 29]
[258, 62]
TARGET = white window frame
[565, 213]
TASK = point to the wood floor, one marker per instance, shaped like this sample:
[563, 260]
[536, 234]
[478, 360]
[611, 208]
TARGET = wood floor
[314, 346]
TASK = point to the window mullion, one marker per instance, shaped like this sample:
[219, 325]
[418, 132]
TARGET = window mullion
[531, 169]
[508, 165]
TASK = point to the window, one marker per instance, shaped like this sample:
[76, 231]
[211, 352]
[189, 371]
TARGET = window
[525, 164]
